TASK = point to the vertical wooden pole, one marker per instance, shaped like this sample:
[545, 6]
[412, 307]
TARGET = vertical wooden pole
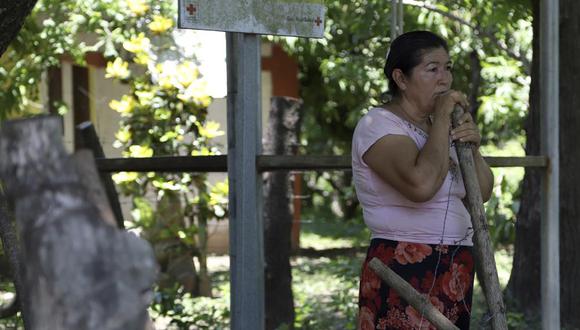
[482, 242]
[245, 194]
[550, 146]
[88, 138]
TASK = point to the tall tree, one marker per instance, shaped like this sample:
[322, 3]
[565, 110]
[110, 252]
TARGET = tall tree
[526, 263]
[525, 274]
[12, 15]
[569, 162]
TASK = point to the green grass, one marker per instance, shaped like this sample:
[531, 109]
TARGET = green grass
[325, 290]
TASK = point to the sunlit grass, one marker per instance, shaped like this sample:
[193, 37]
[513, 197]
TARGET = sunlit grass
[319, 242]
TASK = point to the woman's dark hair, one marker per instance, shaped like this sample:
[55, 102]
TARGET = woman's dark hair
[406, 52]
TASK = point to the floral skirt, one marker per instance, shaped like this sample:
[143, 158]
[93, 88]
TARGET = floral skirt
[444, 273]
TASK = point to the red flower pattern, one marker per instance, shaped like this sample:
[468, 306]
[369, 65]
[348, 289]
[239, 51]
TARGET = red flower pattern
[370, 283]
[410, 253]
[380, 306]
[456, 282]
[366, 319]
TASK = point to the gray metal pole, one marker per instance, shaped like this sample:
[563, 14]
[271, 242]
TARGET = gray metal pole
[245, 189]
[401, 19]
[394, 20]
[549, 107]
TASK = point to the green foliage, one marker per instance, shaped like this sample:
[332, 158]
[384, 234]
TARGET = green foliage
[164, 113]
[183, 311]
[504, 203]
[48, 34]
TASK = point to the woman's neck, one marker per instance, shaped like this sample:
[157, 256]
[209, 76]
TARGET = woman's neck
[412, 113]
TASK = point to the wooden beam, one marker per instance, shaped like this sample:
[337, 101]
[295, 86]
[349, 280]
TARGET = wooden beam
[266, 163]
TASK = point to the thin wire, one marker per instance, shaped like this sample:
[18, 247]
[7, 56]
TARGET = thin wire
[440, 251]
[457, 244]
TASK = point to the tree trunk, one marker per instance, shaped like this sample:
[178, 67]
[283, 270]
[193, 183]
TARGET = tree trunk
[12, 16]
[11, 248]
[13, 13]
[569, 162]
[475, 83]
[524, 285]
[281, 136]
[79, 273]
[523, 288]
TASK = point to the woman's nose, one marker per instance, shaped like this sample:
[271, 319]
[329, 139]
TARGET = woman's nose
[446, 78]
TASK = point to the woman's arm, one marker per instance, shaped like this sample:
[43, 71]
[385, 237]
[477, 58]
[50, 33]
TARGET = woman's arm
[417, 174]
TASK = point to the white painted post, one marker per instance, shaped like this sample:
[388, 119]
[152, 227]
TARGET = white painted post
[245, 189]
[549, 107]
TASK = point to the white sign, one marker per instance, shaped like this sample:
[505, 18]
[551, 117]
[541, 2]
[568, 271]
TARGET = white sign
[301, 18]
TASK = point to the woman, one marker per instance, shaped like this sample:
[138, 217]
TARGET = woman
[409, 185]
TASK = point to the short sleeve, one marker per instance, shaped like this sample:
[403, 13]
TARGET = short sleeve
[372, 127]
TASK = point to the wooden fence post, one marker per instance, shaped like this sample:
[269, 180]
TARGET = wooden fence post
[89, 140]
[282, 134]
[79, 273]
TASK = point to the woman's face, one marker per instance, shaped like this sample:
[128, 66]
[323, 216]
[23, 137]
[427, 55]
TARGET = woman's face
[429, 79]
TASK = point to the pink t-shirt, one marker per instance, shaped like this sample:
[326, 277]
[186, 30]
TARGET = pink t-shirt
[391, 215]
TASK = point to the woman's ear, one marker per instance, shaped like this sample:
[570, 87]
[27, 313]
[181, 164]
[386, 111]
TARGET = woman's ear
[400, 79]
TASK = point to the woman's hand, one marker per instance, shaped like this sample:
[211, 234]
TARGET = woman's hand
[466, 131]
[445, 103]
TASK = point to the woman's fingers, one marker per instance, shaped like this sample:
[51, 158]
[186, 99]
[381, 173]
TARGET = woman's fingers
[466, 131]
[465, 118]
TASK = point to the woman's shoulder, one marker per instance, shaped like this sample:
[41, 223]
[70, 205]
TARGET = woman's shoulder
[382, 113]
[379, 117]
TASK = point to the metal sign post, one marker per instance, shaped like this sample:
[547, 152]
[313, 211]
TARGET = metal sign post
[245, 20]
[245, 188]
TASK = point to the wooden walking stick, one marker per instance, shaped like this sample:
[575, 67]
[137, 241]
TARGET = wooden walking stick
[482, 245]
[414, 298]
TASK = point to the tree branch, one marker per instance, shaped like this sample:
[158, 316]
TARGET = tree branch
[13, 13]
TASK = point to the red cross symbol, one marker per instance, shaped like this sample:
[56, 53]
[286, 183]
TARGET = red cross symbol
[191, 9]
[317, 21]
